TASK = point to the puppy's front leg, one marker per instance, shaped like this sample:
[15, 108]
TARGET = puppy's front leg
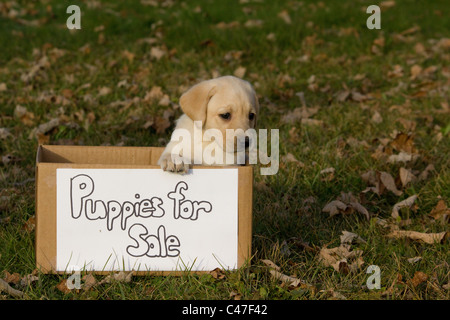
[172, 162]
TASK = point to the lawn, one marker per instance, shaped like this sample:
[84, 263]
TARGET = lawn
[363, 117]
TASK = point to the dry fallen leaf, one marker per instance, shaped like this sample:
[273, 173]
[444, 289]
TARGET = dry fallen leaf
[430, 238]
[270, 264]
[292, 282]
[414, 259]
[30, 224]
[28, 279]
[345, 204]
[418, 278]
[121, 276]
[240, 72]
[12, 278]
[5, 287]
[389, 183]
[217, 273]
[400, 157]
[440, 211]
[24, 115]
[403, 204]
[284, 15]
[416, 70]
[387, 4]
[349, 238]
[291, 158]
[89, 282]
[157, 53]
[426, 172]
[379, 182]
[62, 286]
[341, 258]
[404, 142]
[327, 173]
[406, 176]
[299, 114]
[4, 133]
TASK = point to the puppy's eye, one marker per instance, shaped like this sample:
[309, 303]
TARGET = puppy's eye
[225, 116]
[251, 116]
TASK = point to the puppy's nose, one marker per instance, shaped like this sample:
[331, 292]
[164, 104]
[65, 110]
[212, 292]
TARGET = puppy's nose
[247, 142]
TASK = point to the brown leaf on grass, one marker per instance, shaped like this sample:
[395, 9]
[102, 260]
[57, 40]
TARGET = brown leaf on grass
[424, 174]
[104, 91]
[89, 282]
[292, 282]
[224, 25]
[389, 183]
[327, 174]
[440, 211]
[429, 238]
[30, 224]
[401, 157]
[28, 279]
[157, 53]
[235, 296]
[406, 176]
[299, 114]
[26, 117]
[418, 278]
[12, 278]
[240, 72]
[155, 93]
[44, 128]
[414, 259]
[334, 295]
[415, 71]
[387, 4]
[160, 124]
[284, 15]
[376, 117]
[350, 237]
[62, 286]
[217, 273]
[403, 204]
[379, 182]
[253, 23]
[341, 258]
[271, 264]
[291, 158]
[5, 287]
[4, 133]
[334, 207]
[345, 204]
[121, 276]
[404, 142]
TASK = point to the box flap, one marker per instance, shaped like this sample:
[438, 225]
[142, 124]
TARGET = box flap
[99, 155]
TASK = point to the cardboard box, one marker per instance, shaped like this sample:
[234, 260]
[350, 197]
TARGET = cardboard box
[50, 158]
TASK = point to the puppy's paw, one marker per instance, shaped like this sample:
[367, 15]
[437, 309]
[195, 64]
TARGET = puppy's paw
[173, 164]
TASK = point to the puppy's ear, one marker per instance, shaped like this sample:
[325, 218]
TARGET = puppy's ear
[194, 102]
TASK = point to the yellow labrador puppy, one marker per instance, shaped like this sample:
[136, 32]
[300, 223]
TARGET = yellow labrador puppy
[211, 108]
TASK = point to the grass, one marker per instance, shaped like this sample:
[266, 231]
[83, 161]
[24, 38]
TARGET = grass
[327, 39]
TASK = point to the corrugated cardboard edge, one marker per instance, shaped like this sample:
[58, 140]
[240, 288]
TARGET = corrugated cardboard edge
[45, 241]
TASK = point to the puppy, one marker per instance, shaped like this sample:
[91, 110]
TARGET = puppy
[212, 106]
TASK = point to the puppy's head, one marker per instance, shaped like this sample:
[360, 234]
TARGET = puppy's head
[223, 103]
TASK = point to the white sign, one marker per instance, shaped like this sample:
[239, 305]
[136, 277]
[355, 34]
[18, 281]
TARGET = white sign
[146, 220]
